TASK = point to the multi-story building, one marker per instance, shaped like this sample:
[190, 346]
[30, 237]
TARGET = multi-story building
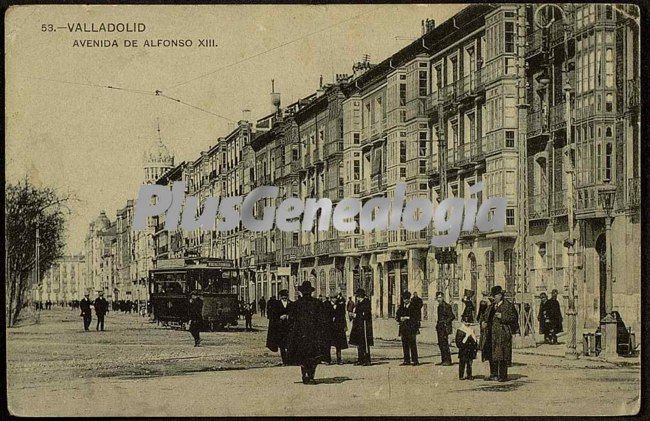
[482, 105]
[124, 284]
[583, 135]
[64, 281]
[99, 239]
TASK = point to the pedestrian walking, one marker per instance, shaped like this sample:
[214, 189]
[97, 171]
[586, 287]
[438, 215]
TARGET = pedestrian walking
[279, 325]
[502, 318]
[549, 317]
[336, 325]
[86, 312]
[361, 334]
[196, 317]
[467, 344]
[306, 345]
[350, 308]
[408, 316]
[248, 316]
[444, 328]
[101, 308]
[262, 303]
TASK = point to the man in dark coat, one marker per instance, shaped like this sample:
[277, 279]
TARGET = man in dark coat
[408, 316]
[279, 324]
[555, 317]
[501, 317]
[336, 325]
[417, 302]
[350, 307]
[306, 344]
[86, 312]
[262, 304]
[248, 316]
[361, 334]
[101, 308]
[196, 317]
[270, 303]
[444, 328]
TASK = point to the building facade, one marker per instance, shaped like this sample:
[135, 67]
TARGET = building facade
[65, 281]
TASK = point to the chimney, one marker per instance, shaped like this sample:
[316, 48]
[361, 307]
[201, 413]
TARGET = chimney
[275, 97]
[245, 115]
[428, 25]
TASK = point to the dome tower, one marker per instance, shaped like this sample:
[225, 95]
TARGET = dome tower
[157, 160]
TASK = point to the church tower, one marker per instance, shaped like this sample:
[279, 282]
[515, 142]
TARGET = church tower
[157, 160]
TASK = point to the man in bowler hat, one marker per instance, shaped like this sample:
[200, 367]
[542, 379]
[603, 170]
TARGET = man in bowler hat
[86, 312]
[279, 324]
[501, 318]
[408, 316]
[444, 328]
[306, 344]
[361, 334]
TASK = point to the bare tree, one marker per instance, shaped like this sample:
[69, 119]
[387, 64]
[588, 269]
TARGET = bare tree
[26, 208]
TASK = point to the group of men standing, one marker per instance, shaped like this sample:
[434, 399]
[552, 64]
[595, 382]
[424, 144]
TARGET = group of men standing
[101, 308]
[305, 330]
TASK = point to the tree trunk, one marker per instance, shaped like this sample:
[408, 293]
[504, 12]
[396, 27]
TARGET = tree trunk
[11, 299]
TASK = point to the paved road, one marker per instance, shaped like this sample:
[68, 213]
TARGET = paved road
[125, 379]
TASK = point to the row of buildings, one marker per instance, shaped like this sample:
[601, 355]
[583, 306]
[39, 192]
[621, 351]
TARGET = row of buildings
[540, 103]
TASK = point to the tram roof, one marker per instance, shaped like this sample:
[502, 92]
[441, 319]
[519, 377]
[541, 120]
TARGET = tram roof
[193, 263]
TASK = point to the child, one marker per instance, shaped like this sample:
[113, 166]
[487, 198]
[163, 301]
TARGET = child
[467, 344]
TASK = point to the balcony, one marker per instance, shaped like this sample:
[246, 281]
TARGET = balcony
[376, 183]
[377, 128]
[416, 108]
[476, 150]
[317, 155]
[462, 154]
[534, 42]
[432, 102]
[633, 93]
[292, 253]
[536, 123]
[559, 203]
[295, 167]
[538, 206]
[307, 250]
[588, 202]
[634, 192]
[332, 148]
[558, 116]
[331, 246]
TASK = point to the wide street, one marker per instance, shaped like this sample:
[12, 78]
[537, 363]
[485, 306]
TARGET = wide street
[138, 368]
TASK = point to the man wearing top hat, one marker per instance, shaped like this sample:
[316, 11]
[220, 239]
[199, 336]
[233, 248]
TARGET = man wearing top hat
[279, 324]
[101, 308]
[408, 316]
[501, 317]
[444, 328]
[195, 313]
[86, 313]
[306, 344]
[361, 333]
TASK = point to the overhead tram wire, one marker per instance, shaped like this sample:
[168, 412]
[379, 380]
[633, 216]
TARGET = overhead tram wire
[157, 93]
[284, 44]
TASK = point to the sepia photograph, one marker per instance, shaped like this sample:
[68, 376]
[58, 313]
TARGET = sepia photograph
[323, 210]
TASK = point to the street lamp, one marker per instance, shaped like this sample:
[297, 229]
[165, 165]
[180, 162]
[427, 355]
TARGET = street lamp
[606, 195]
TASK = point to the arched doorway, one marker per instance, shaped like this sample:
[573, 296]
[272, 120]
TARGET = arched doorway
[601, 249]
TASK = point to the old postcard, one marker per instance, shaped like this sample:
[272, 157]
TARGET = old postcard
[324, 210]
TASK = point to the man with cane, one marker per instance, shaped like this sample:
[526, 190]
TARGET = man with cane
[361, 334]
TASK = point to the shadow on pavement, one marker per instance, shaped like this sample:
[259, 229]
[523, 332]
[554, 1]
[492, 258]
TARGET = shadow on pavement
[331, 380]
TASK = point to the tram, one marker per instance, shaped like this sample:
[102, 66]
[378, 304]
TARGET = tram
[173, 280]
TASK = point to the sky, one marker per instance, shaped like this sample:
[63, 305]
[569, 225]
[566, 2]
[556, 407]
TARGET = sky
[64, 129]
